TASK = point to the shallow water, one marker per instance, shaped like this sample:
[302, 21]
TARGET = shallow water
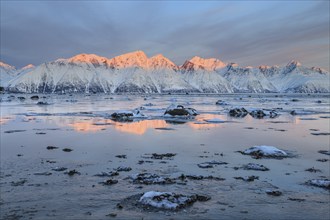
[82, 123]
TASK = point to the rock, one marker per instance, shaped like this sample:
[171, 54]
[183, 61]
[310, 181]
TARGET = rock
[324, 183]
[21, 98]
[313, 170]
[109, 182]
[320, 133]
[67, 149]
[72, 172]
[35, 97]
[326, 152]
[109, 174]
[43, 174]
[123, 156]
[162, 156]
[210, 164]
[293, 112]
[199, 177]
[121, 169]
[18, 183]
[238, 112]
[322, 160]
[296, 199]
[58, 169]
[13, 131]
[265, 151]
[254, 166]
[179, 110]
[127, 115]
[112, 215]
[274, 192]
[169, 200]
[148, 179]
[257, 114]
[51, 147]
[42, 103]
[294, 100]
[247, 179]
[220, 102]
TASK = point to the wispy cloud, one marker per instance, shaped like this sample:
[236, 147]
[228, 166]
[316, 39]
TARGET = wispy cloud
[250, 33]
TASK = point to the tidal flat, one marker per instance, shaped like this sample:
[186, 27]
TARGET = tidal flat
[66, 157]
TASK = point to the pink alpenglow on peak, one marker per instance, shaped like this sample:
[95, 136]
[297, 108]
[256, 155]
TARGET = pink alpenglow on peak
[129, 60]
[89, 59]
[6, 66]
[161, 62]
[197, 63]
[29, 66]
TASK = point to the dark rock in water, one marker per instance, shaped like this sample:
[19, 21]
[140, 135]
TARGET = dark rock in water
[210, 164]
[162, 156]
[257, 114]
[254, 166]
[180, 111]
[122, 115]
[313, 170]
[67, 149]
[13, 131]
[200, 177]
[320, 133]
[148, 179]
[322, 160]
[18, 183]
[294, 100]
[247, 179]
[324, 183]
[326, 152]
[109, 182]
[220, 102]
[318, 101]
[51, 147]
[35, 97]
[123, 169]
[296, 199]
[40, 133]
[168, 201]
[165, 129]
[123, 156]
[293, 112]
[238, 112]
[43, 174]
[274, 192]
[21, 98]
[59, 169]
[42, 103]
[72, 172]
[107, 174]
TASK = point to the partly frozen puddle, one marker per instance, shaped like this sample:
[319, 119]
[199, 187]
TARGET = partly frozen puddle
[164, 157]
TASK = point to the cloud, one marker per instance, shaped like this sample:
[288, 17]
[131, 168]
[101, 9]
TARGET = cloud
[243, 32]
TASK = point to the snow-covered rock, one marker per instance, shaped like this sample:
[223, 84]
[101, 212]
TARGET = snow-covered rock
[265, 151]
[169, 200]
[325, 183]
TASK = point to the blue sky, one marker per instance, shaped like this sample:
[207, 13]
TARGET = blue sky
[246, 32]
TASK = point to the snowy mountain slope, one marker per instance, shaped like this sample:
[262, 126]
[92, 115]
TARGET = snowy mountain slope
[299, 79]
[7, 73]
[135, 72]
[248, 79]
[208, 81]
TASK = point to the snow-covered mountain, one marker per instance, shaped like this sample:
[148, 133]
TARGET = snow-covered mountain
[136, 73]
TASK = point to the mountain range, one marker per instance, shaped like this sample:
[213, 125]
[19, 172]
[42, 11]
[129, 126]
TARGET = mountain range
[136, 73]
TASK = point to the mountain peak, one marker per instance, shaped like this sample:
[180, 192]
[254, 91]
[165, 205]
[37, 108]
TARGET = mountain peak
[132, 59]
[89, 59]
[6, 66]
[293, 63]
[29, 66]
[196, 63]
[160, 62]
